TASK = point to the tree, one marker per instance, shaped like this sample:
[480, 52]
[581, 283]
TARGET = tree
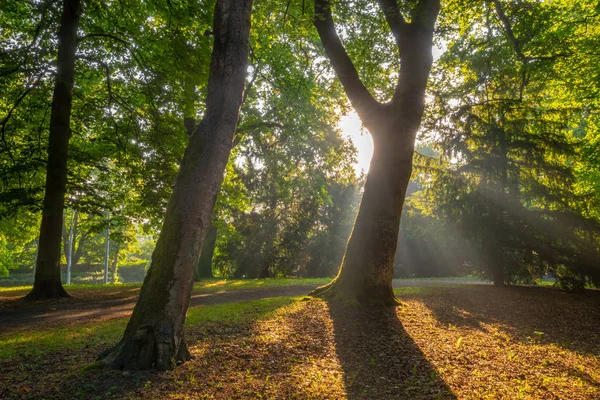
[365, 274]
[47, 284]
[154, 334]
[500, 116]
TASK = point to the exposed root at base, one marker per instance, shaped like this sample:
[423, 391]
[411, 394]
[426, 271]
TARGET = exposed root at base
[321, 289]
[39, 295]
[332, 292]
[145, 350]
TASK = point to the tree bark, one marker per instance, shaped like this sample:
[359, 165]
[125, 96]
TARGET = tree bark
[365, 275]
[204, 267]
[154, 336]
[47, 283]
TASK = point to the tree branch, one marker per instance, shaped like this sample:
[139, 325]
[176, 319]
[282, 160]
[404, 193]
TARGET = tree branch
[137, 56]
[508, 28]
[393, 17]
[362, 101]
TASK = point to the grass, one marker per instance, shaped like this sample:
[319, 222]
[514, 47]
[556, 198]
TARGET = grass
[38, 342]
[443, 342]
[446, 278]
[217, 285]
[205, 286]
[208, 285]
[23, 290]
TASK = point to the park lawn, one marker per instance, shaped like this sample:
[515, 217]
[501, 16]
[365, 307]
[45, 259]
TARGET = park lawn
[204, 286]
[465, 342]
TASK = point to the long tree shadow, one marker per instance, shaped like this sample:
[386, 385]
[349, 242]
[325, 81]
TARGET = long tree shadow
[544, 314]
[379, 359]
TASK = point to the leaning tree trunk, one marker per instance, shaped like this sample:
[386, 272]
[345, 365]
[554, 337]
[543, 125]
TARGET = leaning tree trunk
[365, 275]
[154, 337]
[47, 283]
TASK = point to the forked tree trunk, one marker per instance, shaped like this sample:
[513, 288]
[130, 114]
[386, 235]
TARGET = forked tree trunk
[365, 275]
[154, 337]
[47, 283]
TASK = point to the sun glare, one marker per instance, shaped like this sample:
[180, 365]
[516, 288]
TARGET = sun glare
[351, 127]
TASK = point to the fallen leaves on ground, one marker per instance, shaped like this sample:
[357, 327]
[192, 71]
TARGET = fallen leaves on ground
[468, 342]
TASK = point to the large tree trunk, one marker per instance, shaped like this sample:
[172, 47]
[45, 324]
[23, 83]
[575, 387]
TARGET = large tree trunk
[154, 335]
[367, 267]
[365, 275]
[204, 268]
[47, 283]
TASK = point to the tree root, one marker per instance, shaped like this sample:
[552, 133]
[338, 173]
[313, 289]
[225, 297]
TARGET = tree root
[334, 292]
[41, 294]
[144, 350]
[322, 289]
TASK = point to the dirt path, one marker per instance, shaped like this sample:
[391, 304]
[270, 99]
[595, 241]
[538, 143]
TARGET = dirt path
[83, 309]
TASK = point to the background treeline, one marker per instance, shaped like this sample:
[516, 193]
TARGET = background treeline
[506, 183]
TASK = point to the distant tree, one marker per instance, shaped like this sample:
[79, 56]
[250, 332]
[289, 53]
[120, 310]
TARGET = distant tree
[289, 158]
[47, 283]
[204, 267]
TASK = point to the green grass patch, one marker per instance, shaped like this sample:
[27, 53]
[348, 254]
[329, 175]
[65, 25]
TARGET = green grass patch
[237, 313]
[205, 286]
[14, 346]
[217, 285]
[444, 278]
[23, 290]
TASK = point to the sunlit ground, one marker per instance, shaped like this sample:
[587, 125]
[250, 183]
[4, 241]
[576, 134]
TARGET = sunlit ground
[465, 342]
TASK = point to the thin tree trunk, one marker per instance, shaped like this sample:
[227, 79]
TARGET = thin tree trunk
[115, 264]
[68, 243]
[154, 337]
[365, 275]
[204, 268]
[72, 232]
[79, 248]
[106, 247]
[47, 283]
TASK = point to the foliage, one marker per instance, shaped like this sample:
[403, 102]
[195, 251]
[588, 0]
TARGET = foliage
[512, 116]
[290, 190]
[507, 177]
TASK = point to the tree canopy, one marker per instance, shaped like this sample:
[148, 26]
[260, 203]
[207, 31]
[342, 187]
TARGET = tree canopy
[505, 182]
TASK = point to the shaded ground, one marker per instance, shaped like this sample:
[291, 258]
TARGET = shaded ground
[464, 342]
[117, 302]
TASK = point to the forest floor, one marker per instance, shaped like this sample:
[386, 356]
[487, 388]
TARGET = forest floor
[457, 341]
